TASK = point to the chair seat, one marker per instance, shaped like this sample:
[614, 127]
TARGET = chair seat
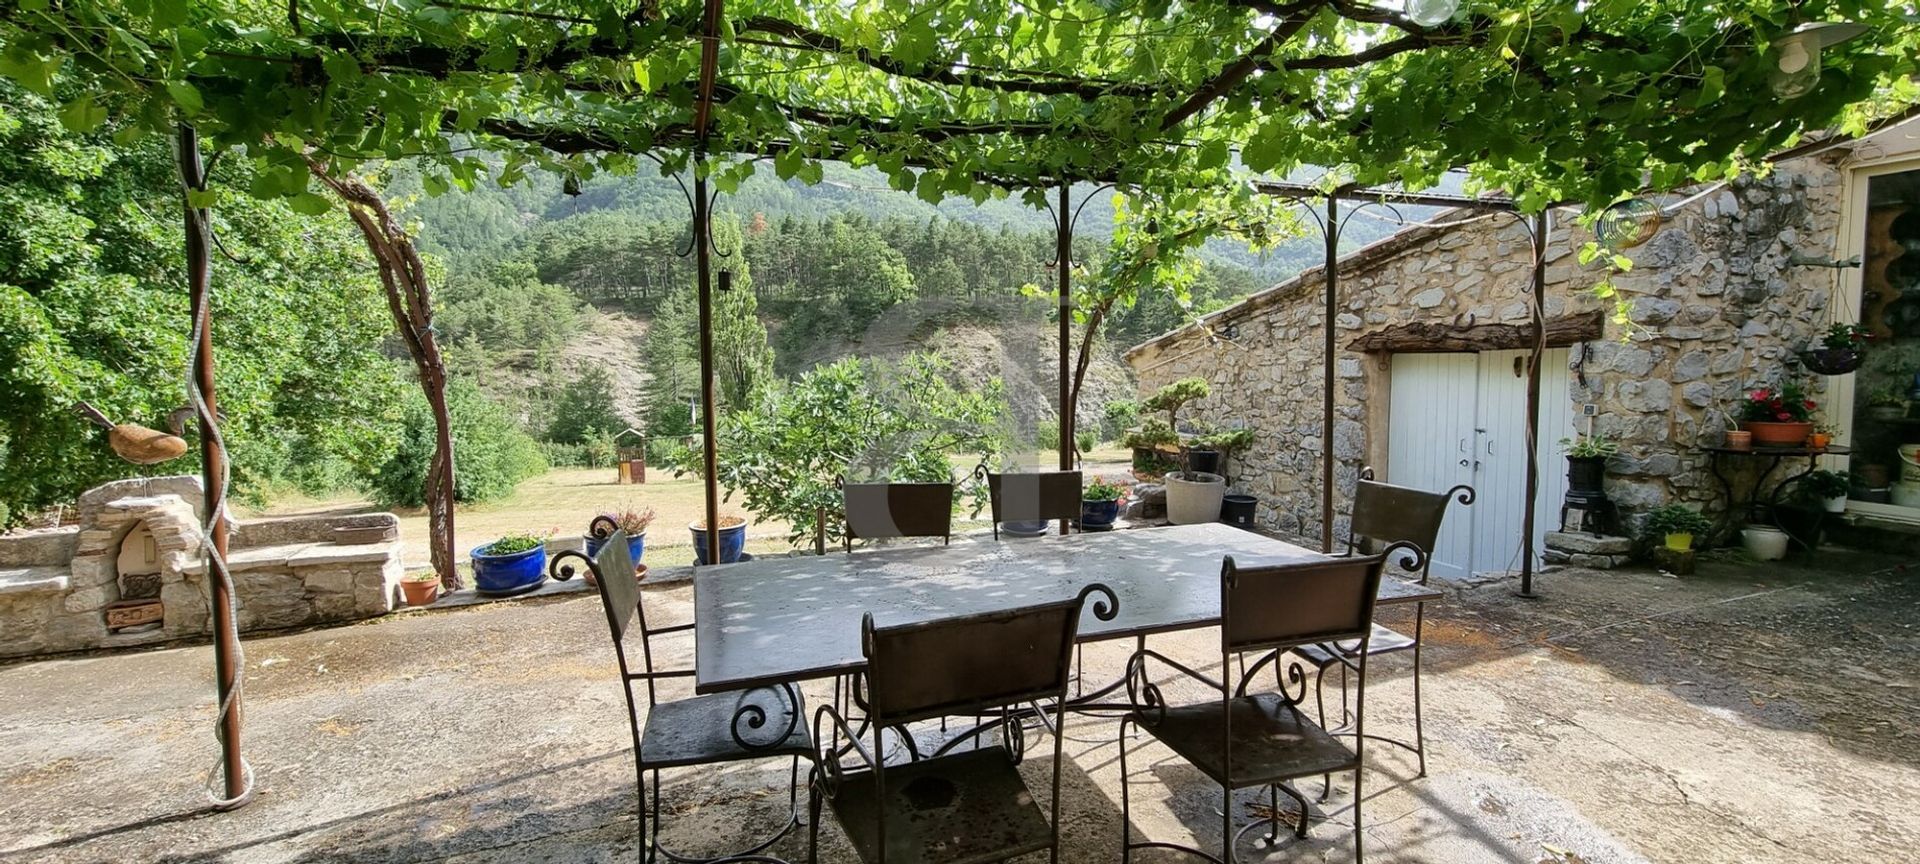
[1272, 740]
[700, 730]
[958, 809]
[1384, 640]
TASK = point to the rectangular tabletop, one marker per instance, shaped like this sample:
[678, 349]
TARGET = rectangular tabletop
[787, 619]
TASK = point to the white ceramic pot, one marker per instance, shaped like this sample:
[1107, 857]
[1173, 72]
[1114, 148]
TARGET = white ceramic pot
[1193, 498]
[1837, 504]
[1764, 542]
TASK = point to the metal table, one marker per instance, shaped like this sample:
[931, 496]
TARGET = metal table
[761, 623]
[1773, 456]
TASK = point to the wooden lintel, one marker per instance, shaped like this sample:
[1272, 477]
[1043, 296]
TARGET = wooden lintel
[1446, 337]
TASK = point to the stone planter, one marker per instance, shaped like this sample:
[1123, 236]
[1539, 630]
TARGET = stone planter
[1764, 542]
[1098, 514]
[1194, 498]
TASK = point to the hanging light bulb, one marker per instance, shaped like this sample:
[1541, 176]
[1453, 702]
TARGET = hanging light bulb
[1628, 224]
[1796, 56]
[1432, 13]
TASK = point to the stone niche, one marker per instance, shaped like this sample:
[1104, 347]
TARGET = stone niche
[134, 571]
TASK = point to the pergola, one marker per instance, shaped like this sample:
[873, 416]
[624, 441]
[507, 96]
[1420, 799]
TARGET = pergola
[1178, 102]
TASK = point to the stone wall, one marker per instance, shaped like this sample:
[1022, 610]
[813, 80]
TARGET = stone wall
[56, 584]
[1716, 310]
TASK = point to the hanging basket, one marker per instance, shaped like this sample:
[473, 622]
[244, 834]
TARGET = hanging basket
[1832, 361]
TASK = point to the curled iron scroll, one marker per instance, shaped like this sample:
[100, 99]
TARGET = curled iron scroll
[751, 716]
[1462, 493]
[560, 569]
[1415, 559]
[602, 527]
[1106, 605]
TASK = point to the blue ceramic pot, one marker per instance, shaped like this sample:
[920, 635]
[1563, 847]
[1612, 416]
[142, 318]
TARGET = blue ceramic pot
[636, 546]
[733, 541]
[1099, 512]
[506, 574]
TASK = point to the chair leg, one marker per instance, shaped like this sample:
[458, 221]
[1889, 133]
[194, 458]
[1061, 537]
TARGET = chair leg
[1320, 704]
[1357, 856]
[813, 822]
[640, 812]
[653, 845]
[1226, 824]
[1419, 731]
[1126, 801]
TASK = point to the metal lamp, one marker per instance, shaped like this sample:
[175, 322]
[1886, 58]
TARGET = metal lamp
[1796, 56]
[1432, 13]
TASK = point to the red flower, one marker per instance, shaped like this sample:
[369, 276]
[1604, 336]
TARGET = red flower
[1760, 395]
[1809, 404]
[1784, 416]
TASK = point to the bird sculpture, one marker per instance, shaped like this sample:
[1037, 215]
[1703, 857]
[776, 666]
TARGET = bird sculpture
[136, 443]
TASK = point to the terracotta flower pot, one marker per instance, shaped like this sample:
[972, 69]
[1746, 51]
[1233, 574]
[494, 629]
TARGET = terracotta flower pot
[1739, 439]
[420, 592]
[1779, 434]
[1819, 440]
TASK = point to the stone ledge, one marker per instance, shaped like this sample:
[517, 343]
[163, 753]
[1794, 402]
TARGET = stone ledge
[330, 553]
[34, 580]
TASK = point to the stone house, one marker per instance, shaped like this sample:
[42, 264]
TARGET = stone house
[1431, 384]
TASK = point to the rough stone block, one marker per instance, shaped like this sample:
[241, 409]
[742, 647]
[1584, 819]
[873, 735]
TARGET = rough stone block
[1587, 543]
[1595, 562]
[46, 547]
[1675, 562]
[328, 581]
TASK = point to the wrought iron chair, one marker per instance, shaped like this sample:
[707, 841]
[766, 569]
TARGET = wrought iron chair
[1387, 514]
[951, 807]
[1035, 497]
[1243, 739]
[702, 730]
[883, 510]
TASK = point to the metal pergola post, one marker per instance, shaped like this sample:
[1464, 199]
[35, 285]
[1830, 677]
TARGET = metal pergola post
[213, 473]
[1541, 226]
[1331, 232]
[703, 268]
[1063, 254]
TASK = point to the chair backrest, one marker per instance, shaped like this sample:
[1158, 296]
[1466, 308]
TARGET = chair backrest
[876, 510]
[1034, 496]
[1287, 605]
[1384, 514]
[613, 569]
[619, 591]
[973, 663]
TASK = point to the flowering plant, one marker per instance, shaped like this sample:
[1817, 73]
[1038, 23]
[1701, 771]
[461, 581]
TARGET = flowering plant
[1787, 404]
[1844, 336]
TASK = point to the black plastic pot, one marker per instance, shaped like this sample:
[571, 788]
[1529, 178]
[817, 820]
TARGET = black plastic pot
[1832, 361]
[1586, 473]
[1238, 510]
[1204, 461]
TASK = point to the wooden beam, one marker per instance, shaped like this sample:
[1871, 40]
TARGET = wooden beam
[1438, 337]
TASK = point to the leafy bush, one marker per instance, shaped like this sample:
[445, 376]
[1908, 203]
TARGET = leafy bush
[854, 420]
[586, 409]
[514, 543]
[491, 455]
[1119, 416]
[1676, 519]
[1823, 484]
[1046, 436]
[1101, 490]
[1589, 447]
[1086, 440]
[560, 455]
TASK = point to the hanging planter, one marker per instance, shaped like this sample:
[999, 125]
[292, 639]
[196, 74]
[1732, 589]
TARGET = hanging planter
[1840, 351]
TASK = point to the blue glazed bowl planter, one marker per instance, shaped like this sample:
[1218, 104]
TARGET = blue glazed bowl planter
[733, 541]
[636, 545]
[510, 573]
[1099, 512]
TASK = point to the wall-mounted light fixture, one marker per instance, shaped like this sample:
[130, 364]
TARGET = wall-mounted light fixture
[1796, 56]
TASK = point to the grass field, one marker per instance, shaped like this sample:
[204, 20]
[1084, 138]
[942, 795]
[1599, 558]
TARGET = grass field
[564, 500]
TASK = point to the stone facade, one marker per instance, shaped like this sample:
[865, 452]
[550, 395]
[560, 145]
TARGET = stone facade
[1717, 308]
[56, 584]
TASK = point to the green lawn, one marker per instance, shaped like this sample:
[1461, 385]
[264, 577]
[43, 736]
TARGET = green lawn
[564, 500]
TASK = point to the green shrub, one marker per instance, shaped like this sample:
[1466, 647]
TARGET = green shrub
[560, 455]
[1119, 416]
[1676, 519]
[513, 543]
[491, 455]
[1086, 440]
[1046, 436]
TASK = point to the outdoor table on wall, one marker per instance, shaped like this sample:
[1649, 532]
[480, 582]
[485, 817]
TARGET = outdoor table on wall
[762, 623]
[1774, 456]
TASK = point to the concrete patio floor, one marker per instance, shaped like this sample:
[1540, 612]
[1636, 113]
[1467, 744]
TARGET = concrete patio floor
[1743, 715]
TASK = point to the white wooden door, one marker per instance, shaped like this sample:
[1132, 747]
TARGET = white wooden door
[1499, 513]
[1461, 418]
[1431, 442]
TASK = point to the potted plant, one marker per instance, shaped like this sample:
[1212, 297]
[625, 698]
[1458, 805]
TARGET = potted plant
[1821, 437]
[1778, 417]
[1100, 504]
[1193, 496]
[1677, 526]
[1226, 442]
[1764, 542]
[1828, 488]
[733, 539]
[1587, 457]
[634, 522]
[514, 563]
[1839, 351]
[1153, 442]
[422, 588]
[1887, 403]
